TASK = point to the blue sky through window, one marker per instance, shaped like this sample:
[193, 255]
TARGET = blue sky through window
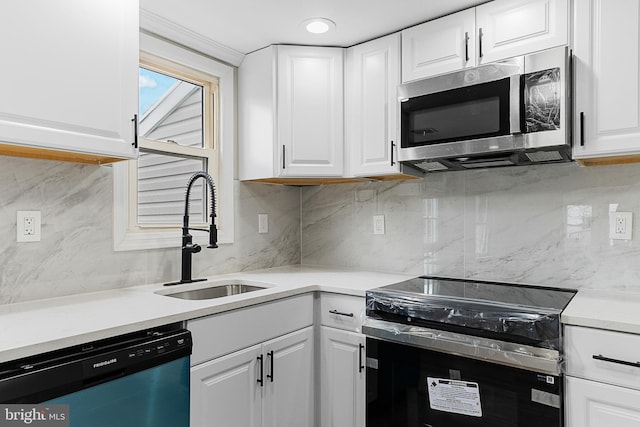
[152, 86]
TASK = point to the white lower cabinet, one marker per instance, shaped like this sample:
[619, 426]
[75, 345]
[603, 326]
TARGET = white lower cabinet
[288, 380]
[603, 378]
[254, 367]
[594, 404]
[224, 391]
[342, 361]
[269, 385]
[342, 378]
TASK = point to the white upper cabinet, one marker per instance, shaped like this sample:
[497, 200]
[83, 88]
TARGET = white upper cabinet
[69, 87]
[439, 46]
[607, 76]
[491, 32]
[291, 113]
[508, 28]
[373, 75]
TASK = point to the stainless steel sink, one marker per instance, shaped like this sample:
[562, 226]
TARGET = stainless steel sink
[216, 291]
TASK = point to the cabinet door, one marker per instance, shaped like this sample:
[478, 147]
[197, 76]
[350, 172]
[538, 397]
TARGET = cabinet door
[373, 75]
[225, 392]
[310, 111]
[70, 76]
[342, 378]
[289, 386]
[439, 46]
[607, 91]
[594, 404]
[508, 28]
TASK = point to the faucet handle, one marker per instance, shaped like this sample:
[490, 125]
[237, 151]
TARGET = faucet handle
[213, 236]
[194, 248]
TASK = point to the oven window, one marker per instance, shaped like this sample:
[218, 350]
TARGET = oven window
[407, 386]
[472, 112]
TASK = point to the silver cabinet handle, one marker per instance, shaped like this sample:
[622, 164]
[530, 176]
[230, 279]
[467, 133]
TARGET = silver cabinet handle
[360, 358]
[617, 361]
[480, 41]
[339, 313]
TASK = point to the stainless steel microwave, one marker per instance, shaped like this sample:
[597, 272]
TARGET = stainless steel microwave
[507, 113]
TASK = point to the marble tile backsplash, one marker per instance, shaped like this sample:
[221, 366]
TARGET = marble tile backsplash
[545, 225]
[76, 252]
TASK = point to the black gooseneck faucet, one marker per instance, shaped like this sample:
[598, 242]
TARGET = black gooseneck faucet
[188, 247]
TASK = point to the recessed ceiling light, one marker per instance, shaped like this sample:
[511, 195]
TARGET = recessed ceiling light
[318, 25]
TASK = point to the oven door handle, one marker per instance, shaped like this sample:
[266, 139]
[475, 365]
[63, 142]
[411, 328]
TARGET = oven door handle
[521, 356]
[516, 97]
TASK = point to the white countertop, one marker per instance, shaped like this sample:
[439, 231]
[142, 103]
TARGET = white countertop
[45, 325]
[612, 310]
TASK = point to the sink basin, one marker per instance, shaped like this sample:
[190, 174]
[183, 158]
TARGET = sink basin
[216, 291]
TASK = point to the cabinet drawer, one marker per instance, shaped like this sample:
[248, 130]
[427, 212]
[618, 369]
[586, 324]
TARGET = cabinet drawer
[606, 356]
[224, 333]
[342, 311]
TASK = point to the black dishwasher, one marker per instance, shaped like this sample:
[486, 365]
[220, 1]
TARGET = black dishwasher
[135, 380]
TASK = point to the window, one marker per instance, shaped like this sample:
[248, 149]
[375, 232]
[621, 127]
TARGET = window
[185, 120]
[176, 138]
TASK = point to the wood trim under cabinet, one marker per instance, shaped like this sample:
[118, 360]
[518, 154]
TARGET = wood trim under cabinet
[46, 154]
[330, 181]
[606, 161]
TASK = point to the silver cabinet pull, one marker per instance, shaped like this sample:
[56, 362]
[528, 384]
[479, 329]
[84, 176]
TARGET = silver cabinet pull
[339, 313]
[617, 361]
[480, 41]
[360, 358]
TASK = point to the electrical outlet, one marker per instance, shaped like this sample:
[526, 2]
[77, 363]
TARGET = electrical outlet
[378, 224]
[28, 226]
[620, 225]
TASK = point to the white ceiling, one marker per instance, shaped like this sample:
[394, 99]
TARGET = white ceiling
[248, 25]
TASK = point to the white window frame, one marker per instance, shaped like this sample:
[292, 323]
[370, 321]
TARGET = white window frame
[128, 235]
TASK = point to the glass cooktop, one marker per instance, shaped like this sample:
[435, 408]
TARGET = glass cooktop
[510, 312]
[493, 293]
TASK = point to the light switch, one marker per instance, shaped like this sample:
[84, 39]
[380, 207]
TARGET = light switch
[263, 223]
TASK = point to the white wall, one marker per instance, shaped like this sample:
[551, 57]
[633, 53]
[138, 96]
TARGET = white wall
[545, 225]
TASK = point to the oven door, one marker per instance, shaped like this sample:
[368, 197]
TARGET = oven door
[411, 386]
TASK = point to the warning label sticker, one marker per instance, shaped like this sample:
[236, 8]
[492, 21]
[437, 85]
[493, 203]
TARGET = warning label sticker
[458, 397]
